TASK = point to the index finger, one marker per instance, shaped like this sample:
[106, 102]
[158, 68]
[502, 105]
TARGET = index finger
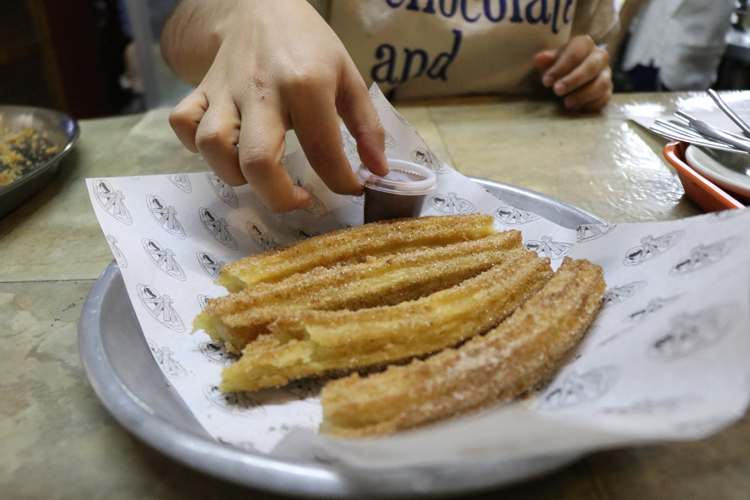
[355, 107]
[569, 58]
[589, 70]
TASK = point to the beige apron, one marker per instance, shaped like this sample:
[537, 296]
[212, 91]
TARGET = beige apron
[430, 48]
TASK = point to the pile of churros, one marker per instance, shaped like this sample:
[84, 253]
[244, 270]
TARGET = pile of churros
[423, 319]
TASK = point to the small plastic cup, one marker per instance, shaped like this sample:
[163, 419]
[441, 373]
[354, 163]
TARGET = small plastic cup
[399, 194]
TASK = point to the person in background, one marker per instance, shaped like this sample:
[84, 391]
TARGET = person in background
[263, 67]
[132, 79]
[677, 44]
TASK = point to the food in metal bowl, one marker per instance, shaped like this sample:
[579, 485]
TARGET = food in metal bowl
[22, 151]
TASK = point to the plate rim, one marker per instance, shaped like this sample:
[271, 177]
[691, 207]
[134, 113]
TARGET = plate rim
[718, 178]
[275, 474]
[562, 207]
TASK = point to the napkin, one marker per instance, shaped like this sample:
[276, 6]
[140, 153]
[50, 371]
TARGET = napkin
[665, 359]
[698, 105]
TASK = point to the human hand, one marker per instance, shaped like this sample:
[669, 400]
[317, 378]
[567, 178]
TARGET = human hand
[277, 66]
[579, 72]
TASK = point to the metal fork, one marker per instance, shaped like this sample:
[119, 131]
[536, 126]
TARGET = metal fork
[714, 133]
[695, 131]
[676, 131]
[728, 111]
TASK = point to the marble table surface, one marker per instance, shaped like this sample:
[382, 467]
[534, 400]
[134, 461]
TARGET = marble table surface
[58, 441]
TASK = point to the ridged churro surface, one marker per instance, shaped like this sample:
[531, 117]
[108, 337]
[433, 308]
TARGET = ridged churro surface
[353, 245]
[486, 370]
[311, 343]
[239, 318]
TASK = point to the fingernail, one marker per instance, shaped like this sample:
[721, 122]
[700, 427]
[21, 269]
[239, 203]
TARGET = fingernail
[548, 80]
[384, 170]
[560, 88]
[378, 168]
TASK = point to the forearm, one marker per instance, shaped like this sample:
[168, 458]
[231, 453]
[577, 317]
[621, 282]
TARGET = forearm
[193, 35]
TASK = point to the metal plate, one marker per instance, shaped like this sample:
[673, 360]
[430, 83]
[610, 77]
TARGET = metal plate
[131, 386]
[61, 129]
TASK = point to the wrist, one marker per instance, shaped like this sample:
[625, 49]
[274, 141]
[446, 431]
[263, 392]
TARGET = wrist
[194, 33]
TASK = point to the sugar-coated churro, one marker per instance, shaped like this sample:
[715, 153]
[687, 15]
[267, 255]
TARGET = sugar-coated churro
[239, 318]
[354, 244]
[486, 370]
[311, 343]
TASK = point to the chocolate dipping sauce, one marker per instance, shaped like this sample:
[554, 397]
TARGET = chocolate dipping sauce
[399, 194]
[385, 206]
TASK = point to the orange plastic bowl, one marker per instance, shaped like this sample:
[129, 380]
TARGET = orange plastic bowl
[703, 192]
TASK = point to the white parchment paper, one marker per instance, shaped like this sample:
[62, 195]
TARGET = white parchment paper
[667, 358]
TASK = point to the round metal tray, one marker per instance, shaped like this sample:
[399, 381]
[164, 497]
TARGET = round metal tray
[61, 129]
[134, 390]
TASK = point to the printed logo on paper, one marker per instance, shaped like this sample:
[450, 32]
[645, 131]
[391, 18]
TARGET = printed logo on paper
[218, 228]
[210, 264]
[165, 216]
[400, 118]
[304, 234]
[577, 389]
[547, 247]
[390, 142]
[112, 201]
[160, 307]
[618, 294]
[215, 354]
[223, 190]
[589, 232]
[182, 181]
[163, 258]
[512, 216]
[238, 404]
[451, 204]
[304, 389]
[122, 262]
[653, 307]
[203, 300]
[264, 239]
[165, 358]
[691, 333]
[651, 247]
[705, 255]
[426, 158]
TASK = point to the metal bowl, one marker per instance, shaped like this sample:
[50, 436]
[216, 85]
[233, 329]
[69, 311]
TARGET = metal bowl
[59, 128]
[122, 371]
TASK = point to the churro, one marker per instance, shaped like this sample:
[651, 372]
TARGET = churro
[486, 370]
[239, 318]
[312, 343]
[355, 244]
